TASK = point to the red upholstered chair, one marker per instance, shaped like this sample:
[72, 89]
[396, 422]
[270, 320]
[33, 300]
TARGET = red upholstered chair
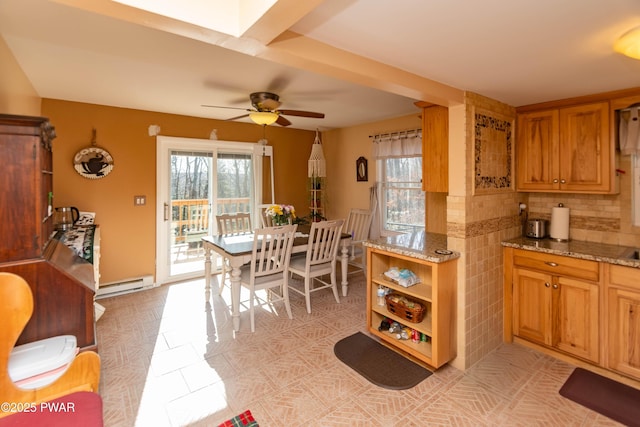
[82, 374]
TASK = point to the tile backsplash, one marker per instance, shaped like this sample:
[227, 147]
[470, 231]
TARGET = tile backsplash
[594, 217]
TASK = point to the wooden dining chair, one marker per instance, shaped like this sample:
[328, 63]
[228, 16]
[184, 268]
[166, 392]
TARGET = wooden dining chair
[229, 225]
[238, 223]
[320, 259]
[265, 219]
[358, 225]
[268, 268]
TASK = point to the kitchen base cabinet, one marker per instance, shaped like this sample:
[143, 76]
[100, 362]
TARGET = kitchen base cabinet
[554, 310]
[577, 314]
[623, 292]
[532, 306]
[436, 292]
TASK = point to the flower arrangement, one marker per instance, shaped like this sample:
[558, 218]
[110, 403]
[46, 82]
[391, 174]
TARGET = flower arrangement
[281, 214]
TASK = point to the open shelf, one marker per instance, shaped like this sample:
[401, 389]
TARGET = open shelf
[424, 326]
[436, 292]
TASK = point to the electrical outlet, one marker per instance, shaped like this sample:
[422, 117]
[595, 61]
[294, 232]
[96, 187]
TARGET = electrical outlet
[139, 200]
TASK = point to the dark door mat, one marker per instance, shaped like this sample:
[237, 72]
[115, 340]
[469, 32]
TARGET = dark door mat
[379, 364]
[612, 399]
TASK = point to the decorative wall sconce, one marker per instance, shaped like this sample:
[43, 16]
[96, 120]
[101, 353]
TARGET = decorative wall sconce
[154, 130]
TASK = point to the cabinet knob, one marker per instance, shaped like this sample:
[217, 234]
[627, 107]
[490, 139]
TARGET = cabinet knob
[546, 284]
[563, 181]
[555, 181]
[555, 286]
[551, 263]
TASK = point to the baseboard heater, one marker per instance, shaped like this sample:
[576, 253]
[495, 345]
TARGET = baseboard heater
[124, 287]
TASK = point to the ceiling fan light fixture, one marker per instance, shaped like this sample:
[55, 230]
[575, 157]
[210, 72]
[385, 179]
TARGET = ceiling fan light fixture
[629, 43]
[263, 117]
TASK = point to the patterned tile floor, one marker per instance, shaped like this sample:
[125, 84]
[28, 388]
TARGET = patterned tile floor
[169, 358]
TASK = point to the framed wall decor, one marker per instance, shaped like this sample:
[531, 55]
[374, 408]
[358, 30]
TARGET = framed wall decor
[362, 170]
[493, 152]
[93, 162]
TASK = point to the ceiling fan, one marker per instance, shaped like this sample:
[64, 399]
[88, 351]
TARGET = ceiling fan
[265, 110]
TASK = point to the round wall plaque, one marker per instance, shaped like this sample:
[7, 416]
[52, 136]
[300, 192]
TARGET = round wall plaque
[93, 162]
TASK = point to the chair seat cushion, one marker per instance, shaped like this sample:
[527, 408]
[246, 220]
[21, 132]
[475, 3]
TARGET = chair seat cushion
[297, 266]
[81, 409]
[245, 277]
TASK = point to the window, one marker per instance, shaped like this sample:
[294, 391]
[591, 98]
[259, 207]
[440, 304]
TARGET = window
[402, 198]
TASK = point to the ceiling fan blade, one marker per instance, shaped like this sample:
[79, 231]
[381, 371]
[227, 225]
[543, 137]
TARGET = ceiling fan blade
[302, 113]
[279, 83]
[228, 108]
[237, 117]
[282, 121]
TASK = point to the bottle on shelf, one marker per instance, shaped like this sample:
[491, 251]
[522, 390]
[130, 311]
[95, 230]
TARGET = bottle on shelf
[381, 294]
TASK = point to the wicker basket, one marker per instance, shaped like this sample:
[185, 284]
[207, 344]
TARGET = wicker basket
[412, 314]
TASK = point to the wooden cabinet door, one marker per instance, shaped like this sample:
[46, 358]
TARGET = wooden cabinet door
[537, 151]
[576, 318]
[532, 305]
[624, 331]
[20, 218]
[435, 149]
[585, 148]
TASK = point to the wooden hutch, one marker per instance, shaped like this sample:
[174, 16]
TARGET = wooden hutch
[62, 283]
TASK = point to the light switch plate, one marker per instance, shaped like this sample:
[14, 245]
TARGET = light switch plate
[139, 200]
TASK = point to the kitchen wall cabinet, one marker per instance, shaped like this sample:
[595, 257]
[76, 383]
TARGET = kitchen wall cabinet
[62, 284]
[565, 150]
[435, 148]
[556, 302]
[436, 292]
[623, 292]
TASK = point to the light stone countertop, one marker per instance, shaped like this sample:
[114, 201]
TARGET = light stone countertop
[601, 252]
[419, 245]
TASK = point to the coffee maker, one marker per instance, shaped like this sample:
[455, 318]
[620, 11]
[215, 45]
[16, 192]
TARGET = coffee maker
[65, 217]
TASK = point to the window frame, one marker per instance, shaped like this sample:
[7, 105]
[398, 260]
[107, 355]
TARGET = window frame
[381, 177]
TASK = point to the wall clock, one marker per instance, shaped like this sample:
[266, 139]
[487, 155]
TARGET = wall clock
[93, 162]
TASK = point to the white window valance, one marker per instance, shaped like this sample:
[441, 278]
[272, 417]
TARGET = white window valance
[407, 143]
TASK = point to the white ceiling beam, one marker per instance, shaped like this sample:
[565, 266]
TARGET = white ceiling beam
[278, 19]
[289, 48]
[302, 52]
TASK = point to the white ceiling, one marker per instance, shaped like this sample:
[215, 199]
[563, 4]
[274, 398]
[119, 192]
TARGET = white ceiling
[518, 52]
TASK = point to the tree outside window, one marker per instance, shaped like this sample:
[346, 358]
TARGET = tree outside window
[402, 196]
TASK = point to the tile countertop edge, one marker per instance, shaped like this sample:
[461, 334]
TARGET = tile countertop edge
[418, 245]
[601, 252]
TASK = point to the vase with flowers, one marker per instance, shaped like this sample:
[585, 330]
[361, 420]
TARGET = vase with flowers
[281, 214]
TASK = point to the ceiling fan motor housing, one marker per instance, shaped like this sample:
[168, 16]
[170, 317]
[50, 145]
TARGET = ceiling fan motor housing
[264, 101]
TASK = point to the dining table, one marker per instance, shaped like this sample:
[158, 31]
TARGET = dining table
[237, 248]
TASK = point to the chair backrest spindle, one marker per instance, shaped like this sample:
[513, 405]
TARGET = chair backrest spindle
[272, 249]
[324, 239]
[358, 224]
[229, 224]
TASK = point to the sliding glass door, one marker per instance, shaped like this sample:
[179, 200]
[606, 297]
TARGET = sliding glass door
[197, 180]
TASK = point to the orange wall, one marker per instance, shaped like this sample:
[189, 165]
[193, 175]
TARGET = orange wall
[128, 233]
